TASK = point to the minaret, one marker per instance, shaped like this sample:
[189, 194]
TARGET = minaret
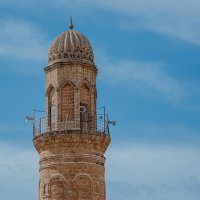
[72, 139]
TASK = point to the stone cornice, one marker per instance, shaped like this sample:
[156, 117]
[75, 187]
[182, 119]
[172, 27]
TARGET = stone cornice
[74, 63]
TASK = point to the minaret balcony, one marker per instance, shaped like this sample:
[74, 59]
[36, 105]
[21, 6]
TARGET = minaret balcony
[42, 126]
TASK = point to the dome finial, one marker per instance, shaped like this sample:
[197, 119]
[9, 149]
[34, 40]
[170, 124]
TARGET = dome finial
[71, 26]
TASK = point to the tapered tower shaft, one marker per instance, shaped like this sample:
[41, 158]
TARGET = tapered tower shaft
[72, 138]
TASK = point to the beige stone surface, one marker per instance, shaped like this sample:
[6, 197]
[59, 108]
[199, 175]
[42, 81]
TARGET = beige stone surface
[71, 148]
[72, 165]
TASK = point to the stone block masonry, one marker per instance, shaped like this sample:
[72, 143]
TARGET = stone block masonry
[69, 141]
[72, 165]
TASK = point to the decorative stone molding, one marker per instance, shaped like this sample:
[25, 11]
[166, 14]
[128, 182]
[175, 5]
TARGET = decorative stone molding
[65, 82]
[86, 83]
[49, 88]
[69, 46]
[53, 177]
[82, 174]
[66, 159]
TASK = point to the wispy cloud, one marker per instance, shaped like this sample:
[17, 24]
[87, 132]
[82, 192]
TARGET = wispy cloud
[149, 78]
[141, 171]
[171, 18]
[22, 40]
[149, 75]
[153, 171]
[18, 172]
[167, 132]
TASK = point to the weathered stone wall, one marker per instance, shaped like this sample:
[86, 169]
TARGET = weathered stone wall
[67, 103]
[71, 156]
[70, 142]
[72, 165]
[82, 78]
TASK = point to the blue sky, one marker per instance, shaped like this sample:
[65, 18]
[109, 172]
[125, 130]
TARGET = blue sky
[148, 60]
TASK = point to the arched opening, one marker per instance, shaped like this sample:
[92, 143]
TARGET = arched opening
[84, 106]
[52, 108]
[57, 188]
[83, 187]
[101, 188]
[42, 189]
[67, 106]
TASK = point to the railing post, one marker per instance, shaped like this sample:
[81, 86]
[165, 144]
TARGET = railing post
[108, 128]
[33, 129]
[40, 126]
[99, 124]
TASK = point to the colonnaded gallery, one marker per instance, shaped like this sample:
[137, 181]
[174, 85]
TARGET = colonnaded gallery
[72, 138]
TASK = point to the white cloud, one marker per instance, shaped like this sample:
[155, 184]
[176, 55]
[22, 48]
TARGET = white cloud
[22, 40]
[175, 18]
[149, 78]
[167, 132]
[146, 77]
[151, 75]
[153, 171]
[133, 171]
[18, 172]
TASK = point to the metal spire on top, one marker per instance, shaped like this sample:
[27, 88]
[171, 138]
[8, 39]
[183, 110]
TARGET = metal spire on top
[71, 26]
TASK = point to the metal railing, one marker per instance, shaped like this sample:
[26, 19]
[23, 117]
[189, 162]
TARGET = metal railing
[42, 126]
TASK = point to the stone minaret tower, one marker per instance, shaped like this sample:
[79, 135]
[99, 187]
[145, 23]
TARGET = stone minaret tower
[72, 139]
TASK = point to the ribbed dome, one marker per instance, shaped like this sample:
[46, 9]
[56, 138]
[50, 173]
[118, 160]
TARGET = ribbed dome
[71, 45]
